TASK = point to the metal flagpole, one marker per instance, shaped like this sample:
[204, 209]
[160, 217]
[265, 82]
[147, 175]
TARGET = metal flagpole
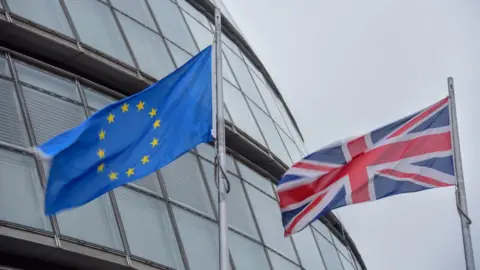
[460, 189]
[220, 145]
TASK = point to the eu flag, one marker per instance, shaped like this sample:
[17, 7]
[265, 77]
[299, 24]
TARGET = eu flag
[132, 138]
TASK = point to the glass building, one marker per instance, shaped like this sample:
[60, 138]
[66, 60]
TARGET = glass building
[61, 60]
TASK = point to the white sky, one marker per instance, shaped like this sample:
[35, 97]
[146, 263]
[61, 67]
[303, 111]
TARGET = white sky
[347, 67]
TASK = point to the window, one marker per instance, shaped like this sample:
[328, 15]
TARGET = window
[280, 263]
[308, 250]
[12, 128]
[45, 12]
[227, 72]
[212, 185]
[148, 228]
[240, 112]
[292, 148]
[137, 9]
[148, 47]
[172, 24]
[151, 183]
[321, 228]
[199, 238]
[60, 115]
[96, 100]
[341, 247]
[247, 255]
[243, 76]
[206, 151]
[21, 195]
[256, 179]
[94, 222]
[4, 70]
[185, 185]
[271, 134]
[193, 12]
[241, 216]
[329, 253]
[202, 35]
[99, 28]
[269, 220]
[180, 56]
[346, 264]
[47, 81]
[231, 45]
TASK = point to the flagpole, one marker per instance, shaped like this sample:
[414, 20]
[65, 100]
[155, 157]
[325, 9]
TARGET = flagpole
[460, 192]
[220, 145]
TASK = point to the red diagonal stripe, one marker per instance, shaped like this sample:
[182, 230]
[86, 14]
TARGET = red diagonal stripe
[384, 154]
[418, 118]
[310, 166]
[416, 177]
[305, 211]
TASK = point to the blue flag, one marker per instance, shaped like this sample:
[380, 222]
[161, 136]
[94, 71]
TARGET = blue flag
[132, 138]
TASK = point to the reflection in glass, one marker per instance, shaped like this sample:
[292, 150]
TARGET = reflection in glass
[12, 127]
[202, 35]
[94, 222]
[148, 228]
[172, 24]
[151, 183]
[45, 12]
[179, 55]
[99, 28]
[256, 179]
[97, 100]
[21, 195]
[137, 10]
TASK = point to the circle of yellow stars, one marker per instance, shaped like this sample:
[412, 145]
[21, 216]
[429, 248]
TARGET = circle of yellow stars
[103, 134]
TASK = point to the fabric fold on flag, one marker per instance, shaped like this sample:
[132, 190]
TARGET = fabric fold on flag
[409, 155]
[131, 138]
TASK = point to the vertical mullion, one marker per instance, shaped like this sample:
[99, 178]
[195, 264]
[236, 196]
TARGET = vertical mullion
[312, 230]
[32, 141]
[113, 201]
[250, 205]
[72, 25]
[125, 39]
[176, 231]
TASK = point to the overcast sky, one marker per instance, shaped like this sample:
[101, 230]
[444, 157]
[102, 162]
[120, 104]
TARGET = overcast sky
[347, 67]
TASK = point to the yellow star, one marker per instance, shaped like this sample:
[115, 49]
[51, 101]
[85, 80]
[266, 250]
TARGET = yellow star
[102, 134]
[130, 171]
[125, 107]
[145, 160]
[140, 105]
[153, 112]
[156, 124]
[113, 176]
[101, 167]
[154, 142]
[101, 153]
[110, 118]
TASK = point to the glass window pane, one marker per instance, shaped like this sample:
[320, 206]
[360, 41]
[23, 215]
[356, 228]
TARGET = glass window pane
[242, 117]
[308, 250]
[269, 219]
[206, 151]
[329, 253]
[256, 179]
[172, 24]
[271, 134]
[97, 100]
[94, 222]
[4, 70]
[280, 263]
[202, 35]
[247, 255]
[231, 45]
[148, 47]
[212, 185]
[243, 76]
[291, 146]
[21, 195]
[340, 246]
[179, 55]
[148, 228]
[47, 81]
[199, 238]
[45, 12]
[136, 9]
[237, 203]
[151, 183]
[51, 116]
[12, 127]
[320, 227]
[99, 28]
[184, 183]
[193, 12]
[346, 264]
[227, 72]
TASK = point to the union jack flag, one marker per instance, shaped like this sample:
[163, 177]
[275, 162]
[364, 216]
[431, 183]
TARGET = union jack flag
[412, 154]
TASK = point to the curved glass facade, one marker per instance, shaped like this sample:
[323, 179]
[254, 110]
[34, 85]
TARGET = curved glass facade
[168, 218]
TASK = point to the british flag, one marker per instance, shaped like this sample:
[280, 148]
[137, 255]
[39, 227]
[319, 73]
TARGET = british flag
[412, 154]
